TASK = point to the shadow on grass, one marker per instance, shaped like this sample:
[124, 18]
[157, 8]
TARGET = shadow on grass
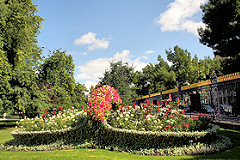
[233, 153]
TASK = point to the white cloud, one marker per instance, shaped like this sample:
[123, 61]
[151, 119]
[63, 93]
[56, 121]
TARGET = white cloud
[138, 65]
[144, 57]
[92, 70]
[169, 63]
[88, 84]
[149, 52]
[121, 56]
[178, 14]
[91, 41]
[192, 26]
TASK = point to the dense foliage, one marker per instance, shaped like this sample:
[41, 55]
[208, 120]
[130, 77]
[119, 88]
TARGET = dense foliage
[28, 83]
[121, 76]
[190, 70]
[222, 31]
[179, 69]
[20, 57]
[57, 78]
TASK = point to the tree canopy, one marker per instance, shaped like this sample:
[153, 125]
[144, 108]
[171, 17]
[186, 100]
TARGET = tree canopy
[22, 89]
[57, 72]
[222, 32]
[121, 77]
[20, 56]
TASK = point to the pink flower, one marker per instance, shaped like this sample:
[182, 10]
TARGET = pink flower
[165, 129]
[179, 125]
[45, 111]
[61, 107]
[158, 109]
[169, 126]
[187, 125]
[101, 101]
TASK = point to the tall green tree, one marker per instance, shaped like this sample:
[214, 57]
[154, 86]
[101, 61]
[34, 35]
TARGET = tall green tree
[181, 63]
[57, 73]
[222, 31]
[79, 98]
[155, 77]
[19, 26]
[190, 70]
[121, 76]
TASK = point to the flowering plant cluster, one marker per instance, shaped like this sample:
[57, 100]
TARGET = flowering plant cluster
[149, 117]
[102, 100]
[54, 120]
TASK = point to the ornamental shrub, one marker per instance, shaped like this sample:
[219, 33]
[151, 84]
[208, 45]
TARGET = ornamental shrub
[163, 118]
[57, 119]
[102, 100]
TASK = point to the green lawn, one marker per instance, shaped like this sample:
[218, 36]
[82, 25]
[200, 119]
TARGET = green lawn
[8, 122]
[103, 154]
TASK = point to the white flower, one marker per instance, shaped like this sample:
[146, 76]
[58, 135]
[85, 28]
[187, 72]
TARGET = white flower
[126, 119]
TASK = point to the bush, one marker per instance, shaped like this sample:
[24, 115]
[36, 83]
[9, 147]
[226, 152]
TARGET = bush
[102, 134]
[54, 120]
[102, 100]
[79, 131]
[149, 117]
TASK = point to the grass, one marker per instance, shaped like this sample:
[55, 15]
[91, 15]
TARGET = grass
[104, 154]
[8, 122]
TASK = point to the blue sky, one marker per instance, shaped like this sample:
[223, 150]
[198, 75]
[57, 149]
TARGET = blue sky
[96, 32]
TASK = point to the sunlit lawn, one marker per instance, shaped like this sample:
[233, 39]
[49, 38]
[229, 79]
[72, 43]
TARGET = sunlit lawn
[104, 154]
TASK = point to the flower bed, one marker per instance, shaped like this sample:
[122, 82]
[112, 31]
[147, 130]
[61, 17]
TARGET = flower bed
[97, 134]
[160, 118]
[105, 123]
[133, 139]
[57, 119]
[77, 130]
[103, 135]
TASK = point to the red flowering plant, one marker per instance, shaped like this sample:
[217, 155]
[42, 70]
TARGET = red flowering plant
[58, 118]
[150, 117]
[101, 101]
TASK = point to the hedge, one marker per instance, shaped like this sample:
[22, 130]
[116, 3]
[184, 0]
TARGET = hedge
[102, 134]
[133, 139]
